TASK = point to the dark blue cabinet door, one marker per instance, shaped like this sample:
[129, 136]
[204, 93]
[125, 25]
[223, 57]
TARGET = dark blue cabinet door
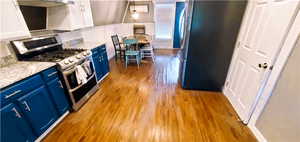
[38, 109]
[104, 63]
[14, 127]
[58, 96]
[97, 64]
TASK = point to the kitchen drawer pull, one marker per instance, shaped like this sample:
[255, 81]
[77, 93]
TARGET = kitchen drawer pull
[53, 73]
[61, 86]
[26, 106]
[12, 94]
[17, 113]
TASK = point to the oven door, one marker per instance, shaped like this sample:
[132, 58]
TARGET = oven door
[79, 93]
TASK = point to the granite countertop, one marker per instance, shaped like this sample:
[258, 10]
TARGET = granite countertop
[21, 70]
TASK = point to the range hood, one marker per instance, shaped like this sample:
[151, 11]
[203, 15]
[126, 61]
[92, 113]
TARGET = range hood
[45, 3]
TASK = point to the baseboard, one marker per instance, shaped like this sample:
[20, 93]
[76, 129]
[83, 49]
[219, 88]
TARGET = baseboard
[257, 133]
[252, 128]
[103, 78]
[52, 127]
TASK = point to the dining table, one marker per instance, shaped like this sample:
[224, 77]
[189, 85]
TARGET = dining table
[142, 40]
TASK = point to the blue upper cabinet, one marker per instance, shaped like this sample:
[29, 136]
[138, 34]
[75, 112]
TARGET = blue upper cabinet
[100, 60]
[38, 109]
[58, 96]
[14, 127]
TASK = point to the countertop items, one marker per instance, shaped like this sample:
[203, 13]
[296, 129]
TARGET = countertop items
[20, 70]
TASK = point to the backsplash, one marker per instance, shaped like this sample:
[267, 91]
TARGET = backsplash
[6, 55]
[4, 51]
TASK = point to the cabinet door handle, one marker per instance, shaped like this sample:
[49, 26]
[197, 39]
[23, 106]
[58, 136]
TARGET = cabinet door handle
[17, 113]
[26, 106]
[49, 75]
[12, 94]
[61, 86]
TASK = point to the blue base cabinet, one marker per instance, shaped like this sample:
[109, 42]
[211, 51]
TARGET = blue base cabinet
[100, 60]
[30, 106]
[14, 127]
[38, 109]
[58, 96]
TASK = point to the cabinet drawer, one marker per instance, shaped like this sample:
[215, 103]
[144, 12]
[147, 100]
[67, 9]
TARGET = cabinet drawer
[50, 74]
[20, 88]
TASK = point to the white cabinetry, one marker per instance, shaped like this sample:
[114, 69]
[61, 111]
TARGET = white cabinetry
[87, 13]
[12, 22]
[71, 16]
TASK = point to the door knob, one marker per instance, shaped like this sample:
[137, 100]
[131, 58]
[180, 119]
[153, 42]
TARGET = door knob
[264, 65]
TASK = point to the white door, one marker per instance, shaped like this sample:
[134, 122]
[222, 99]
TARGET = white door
[263, 31]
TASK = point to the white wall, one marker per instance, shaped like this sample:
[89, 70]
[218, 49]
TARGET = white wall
[102, 34]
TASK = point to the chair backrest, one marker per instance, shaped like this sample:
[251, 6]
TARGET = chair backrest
[116, 42]
[129, 43]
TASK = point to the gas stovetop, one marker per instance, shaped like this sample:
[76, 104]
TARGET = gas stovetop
[64, 58]
[49, 49]
[56, 56]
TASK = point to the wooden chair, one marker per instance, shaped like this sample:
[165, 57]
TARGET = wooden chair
[132, 52]
[119, 50]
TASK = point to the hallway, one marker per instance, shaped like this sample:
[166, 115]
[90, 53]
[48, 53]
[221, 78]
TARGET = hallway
[148, 105]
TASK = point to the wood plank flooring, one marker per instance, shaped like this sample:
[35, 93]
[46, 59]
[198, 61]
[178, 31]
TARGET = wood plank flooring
[148, 105]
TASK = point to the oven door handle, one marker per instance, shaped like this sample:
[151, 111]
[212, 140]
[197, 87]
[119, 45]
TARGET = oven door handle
[69, 71]
[72, 90]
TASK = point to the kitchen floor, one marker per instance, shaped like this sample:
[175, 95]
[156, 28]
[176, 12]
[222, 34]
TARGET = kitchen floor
[148, 105]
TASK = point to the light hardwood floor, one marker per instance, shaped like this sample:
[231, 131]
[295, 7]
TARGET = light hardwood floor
[148, 105]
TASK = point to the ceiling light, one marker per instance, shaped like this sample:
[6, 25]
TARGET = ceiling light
[135, 15]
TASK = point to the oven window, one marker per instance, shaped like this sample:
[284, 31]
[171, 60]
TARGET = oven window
[84, 89]
[72, 80]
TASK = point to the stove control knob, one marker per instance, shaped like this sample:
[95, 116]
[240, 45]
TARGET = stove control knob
[66, 62]
[71, 60]
[78, 56]
[85, 54]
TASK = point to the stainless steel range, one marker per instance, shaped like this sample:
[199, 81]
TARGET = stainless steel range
[75, 65]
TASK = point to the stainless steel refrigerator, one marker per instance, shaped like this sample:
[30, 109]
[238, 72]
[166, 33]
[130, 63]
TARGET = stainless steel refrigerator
[210, 32]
